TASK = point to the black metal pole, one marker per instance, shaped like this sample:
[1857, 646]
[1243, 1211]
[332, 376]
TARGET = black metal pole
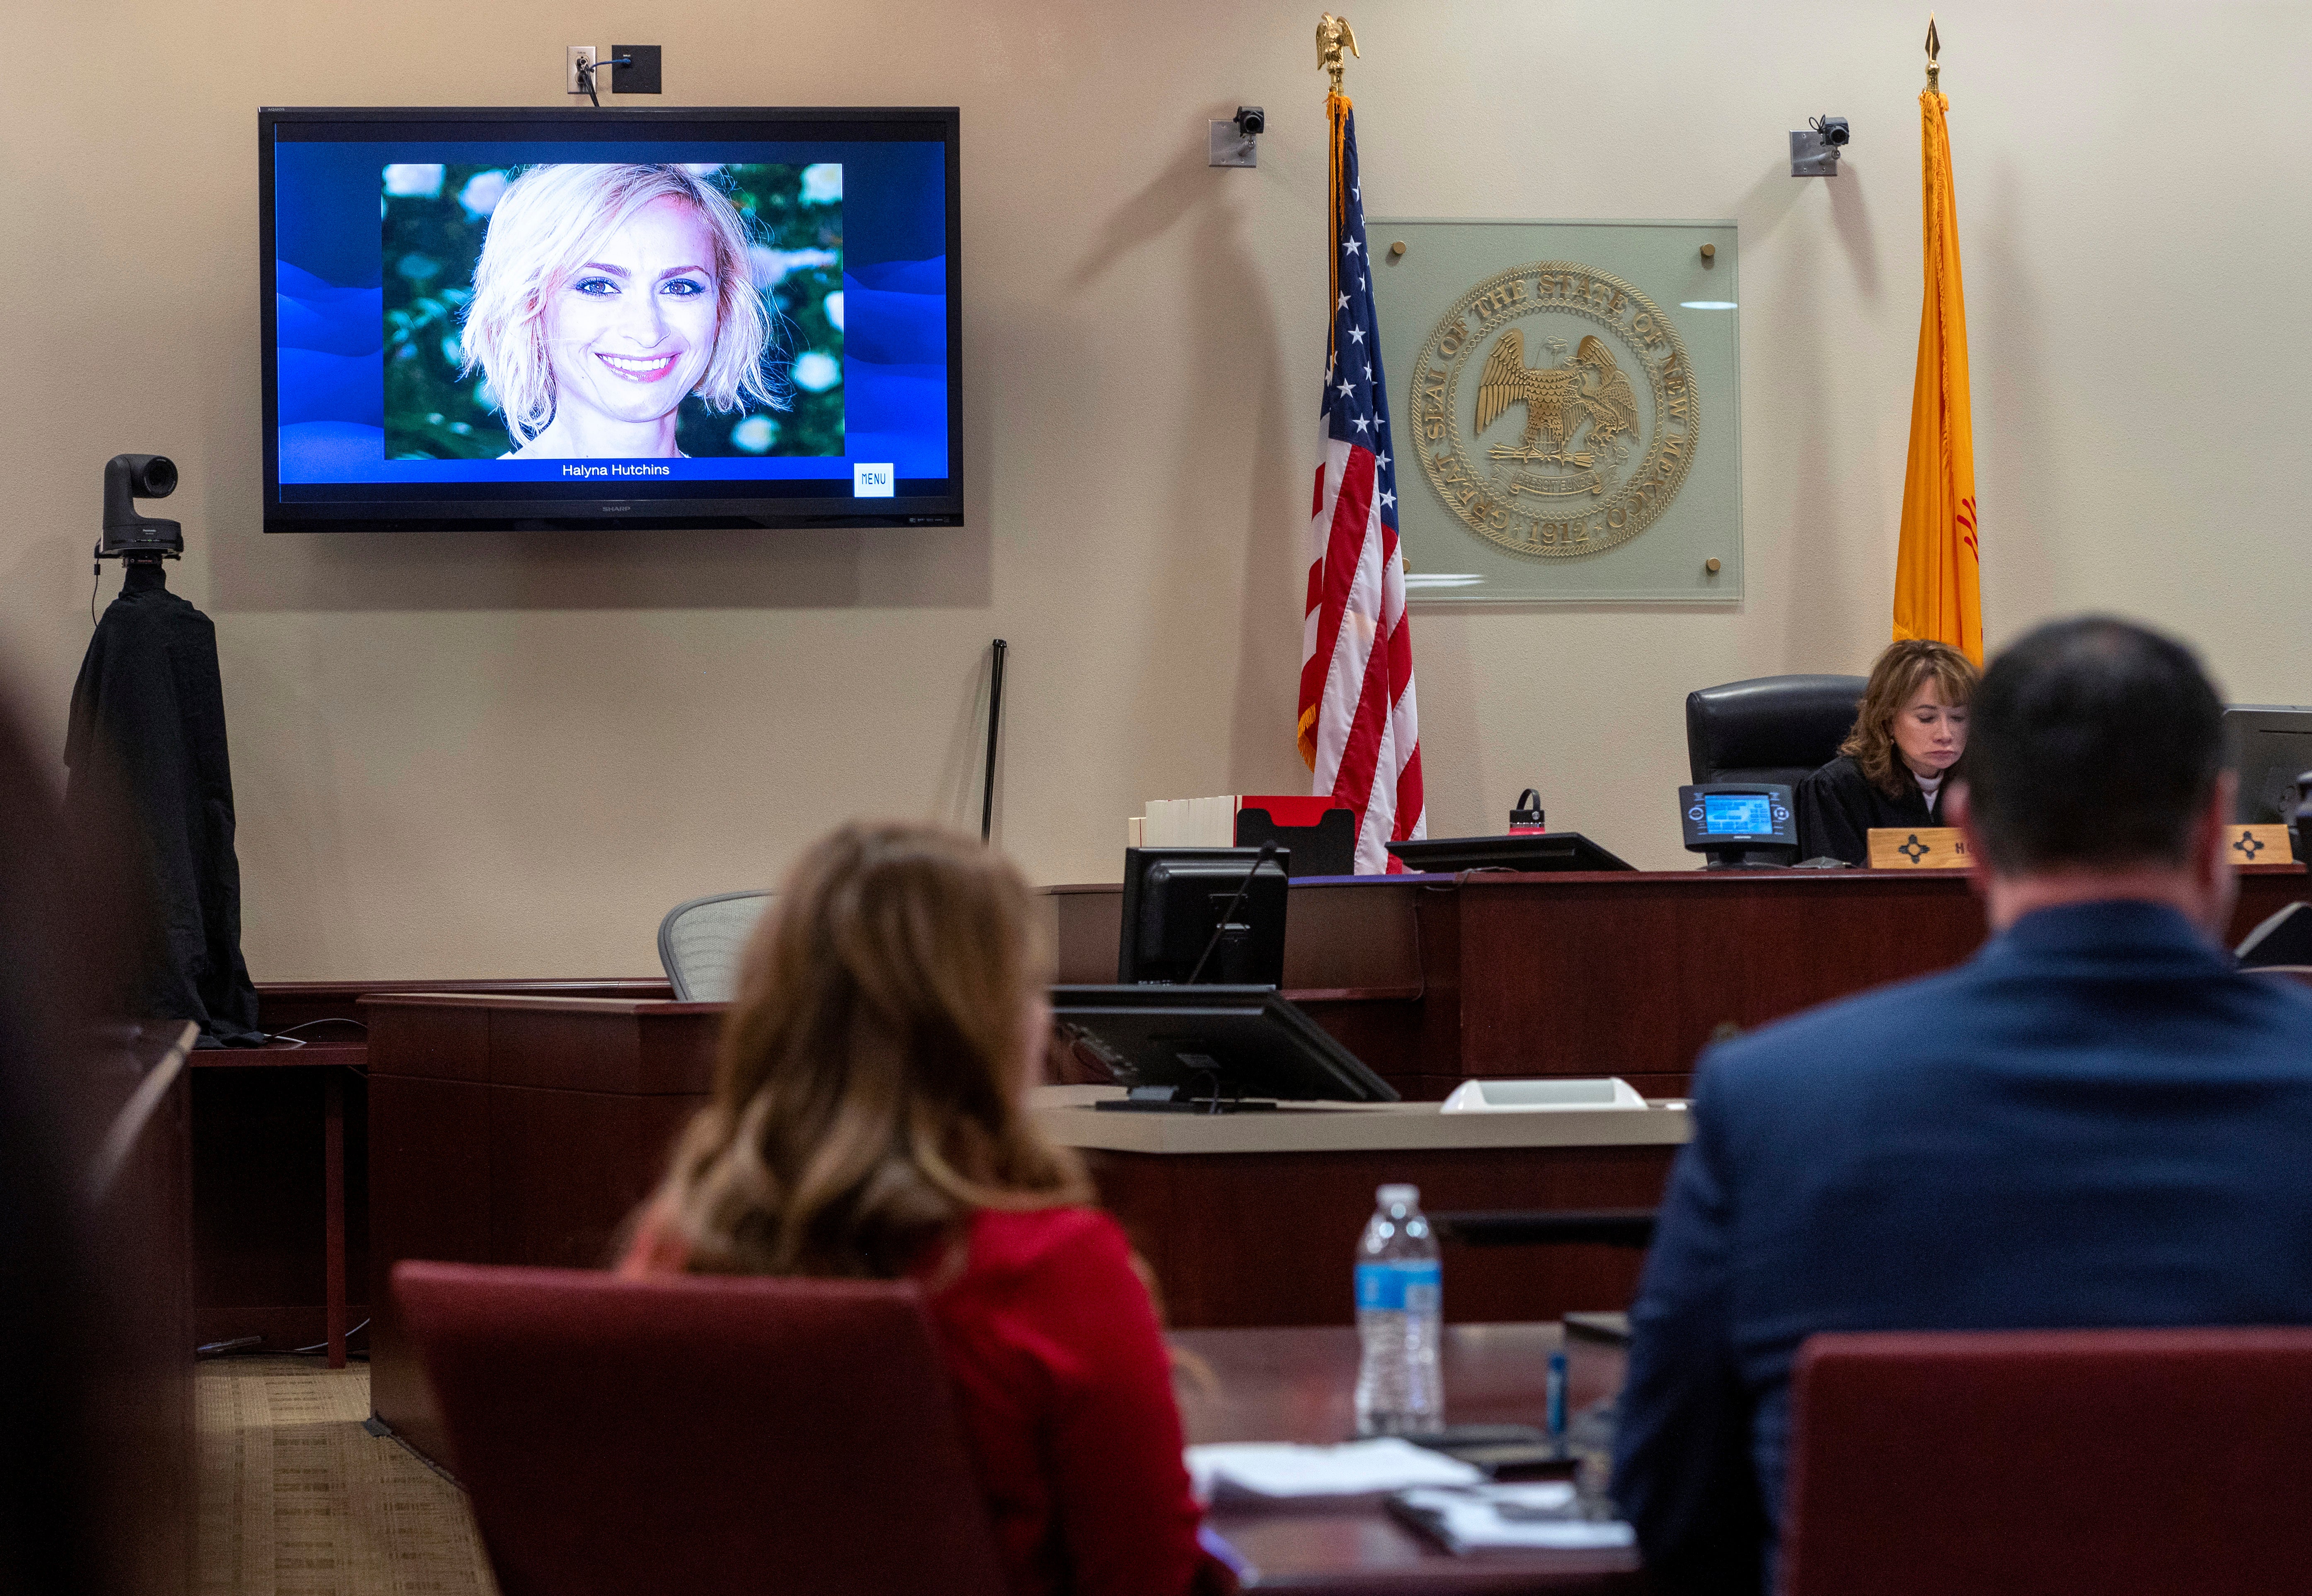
[995, 719]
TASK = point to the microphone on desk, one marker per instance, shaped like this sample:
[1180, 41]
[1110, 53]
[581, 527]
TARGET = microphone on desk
[1267, 852]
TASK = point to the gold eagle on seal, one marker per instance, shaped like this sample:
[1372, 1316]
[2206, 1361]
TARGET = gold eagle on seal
[1557, 399]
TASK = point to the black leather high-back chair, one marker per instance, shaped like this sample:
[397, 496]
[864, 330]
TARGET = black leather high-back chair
[1770, 728]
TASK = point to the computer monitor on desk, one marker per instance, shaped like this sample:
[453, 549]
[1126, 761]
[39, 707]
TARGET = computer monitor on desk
[1210, 1049]
[1179, 925]
[2272, 744]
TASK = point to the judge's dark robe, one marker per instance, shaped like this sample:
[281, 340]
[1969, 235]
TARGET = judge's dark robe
[148, 724]
[1838, 808]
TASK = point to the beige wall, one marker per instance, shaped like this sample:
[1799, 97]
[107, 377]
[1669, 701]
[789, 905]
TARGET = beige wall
[506, 755]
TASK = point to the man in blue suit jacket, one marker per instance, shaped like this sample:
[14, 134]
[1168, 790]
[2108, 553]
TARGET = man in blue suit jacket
[2098, 1120]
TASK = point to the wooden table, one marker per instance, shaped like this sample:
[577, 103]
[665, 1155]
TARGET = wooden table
[1298, 1385]
[1251, 1219]
[332, 1063]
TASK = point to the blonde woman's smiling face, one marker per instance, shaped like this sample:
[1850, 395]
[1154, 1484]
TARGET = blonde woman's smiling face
[630, 331]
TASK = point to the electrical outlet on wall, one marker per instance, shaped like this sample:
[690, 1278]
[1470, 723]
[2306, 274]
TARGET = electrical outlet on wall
[577, 53]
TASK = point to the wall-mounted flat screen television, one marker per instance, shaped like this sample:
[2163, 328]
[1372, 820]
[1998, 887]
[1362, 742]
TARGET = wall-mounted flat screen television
[512, 319]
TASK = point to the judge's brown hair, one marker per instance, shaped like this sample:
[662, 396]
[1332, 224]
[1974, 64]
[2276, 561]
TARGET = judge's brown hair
[1900, 671]
[867, 1096]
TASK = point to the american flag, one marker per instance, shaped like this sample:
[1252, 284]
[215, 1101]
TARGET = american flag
[1358, 731]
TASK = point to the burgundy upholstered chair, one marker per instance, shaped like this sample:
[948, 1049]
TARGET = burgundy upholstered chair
[701, 1434]
[2037, 1461]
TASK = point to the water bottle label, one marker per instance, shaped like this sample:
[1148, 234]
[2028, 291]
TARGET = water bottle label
[1401, 1288]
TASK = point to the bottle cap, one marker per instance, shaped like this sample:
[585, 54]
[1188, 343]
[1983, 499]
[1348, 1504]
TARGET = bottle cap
[1410, 1196]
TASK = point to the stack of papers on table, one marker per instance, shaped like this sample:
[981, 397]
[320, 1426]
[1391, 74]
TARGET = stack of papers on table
[1278, 1470]
[1544, 1516]
[1188, 822]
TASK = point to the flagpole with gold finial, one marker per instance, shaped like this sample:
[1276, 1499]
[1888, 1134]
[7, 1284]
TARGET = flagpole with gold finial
[1333, 34]
[1938, 554]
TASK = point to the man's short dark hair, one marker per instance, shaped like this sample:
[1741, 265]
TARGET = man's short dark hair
[2092, 742]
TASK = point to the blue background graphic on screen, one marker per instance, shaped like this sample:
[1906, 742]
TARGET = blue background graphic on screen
[329, 306]
[1744, 815]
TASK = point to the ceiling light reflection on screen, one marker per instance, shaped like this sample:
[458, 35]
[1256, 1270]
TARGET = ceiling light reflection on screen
[1707, 304]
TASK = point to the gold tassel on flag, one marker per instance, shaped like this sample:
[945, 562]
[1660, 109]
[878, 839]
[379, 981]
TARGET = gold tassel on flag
[1938, 570]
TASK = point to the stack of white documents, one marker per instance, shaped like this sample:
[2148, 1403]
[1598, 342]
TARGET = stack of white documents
[1544, 1514]
[1275, 1469]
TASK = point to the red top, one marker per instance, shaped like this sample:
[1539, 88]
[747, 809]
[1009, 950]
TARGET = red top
[1065, 1392]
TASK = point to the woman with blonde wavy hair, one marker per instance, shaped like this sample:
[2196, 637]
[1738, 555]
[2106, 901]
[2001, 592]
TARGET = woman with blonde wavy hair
[870, 1118]
[607, 294]
[1898, 763]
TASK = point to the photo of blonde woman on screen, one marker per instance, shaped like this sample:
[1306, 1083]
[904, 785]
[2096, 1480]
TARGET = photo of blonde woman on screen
[605, 296]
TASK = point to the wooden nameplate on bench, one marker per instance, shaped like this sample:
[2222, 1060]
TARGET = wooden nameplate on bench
[2258, 845]
[1928, 847]
[1944, 848]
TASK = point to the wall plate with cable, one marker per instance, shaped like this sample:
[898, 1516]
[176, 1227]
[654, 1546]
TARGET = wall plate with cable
[637, 72]
[576, 54]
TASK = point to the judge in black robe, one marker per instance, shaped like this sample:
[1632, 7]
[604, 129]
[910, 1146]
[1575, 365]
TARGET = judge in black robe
[1899, 764]
[1839, 807]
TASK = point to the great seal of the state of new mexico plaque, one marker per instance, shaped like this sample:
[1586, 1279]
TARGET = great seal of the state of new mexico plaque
[1555, 410]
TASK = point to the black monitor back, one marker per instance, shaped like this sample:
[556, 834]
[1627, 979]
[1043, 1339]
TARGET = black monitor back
[1173, 898]
[1549, 851]
[2283, 940]
[1214, 1042]
[2271, 746]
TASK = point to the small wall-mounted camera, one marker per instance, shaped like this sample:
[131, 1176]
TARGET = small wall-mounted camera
[1234, 142]
[1814, 148]
[127, 535]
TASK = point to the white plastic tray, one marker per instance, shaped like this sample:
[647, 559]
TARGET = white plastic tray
[1553, 1095]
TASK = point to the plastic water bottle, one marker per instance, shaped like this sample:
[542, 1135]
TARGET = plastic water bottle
[1400, 1316]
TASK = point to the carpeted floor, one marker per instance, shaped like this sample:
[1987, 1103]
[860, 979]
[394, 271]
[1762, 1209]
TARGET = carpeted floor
[297, 1499]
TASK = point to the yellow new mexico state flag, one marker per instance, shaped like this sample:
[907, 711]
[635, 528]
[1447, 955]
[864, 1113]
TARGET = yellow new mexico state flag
[1937, 572]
